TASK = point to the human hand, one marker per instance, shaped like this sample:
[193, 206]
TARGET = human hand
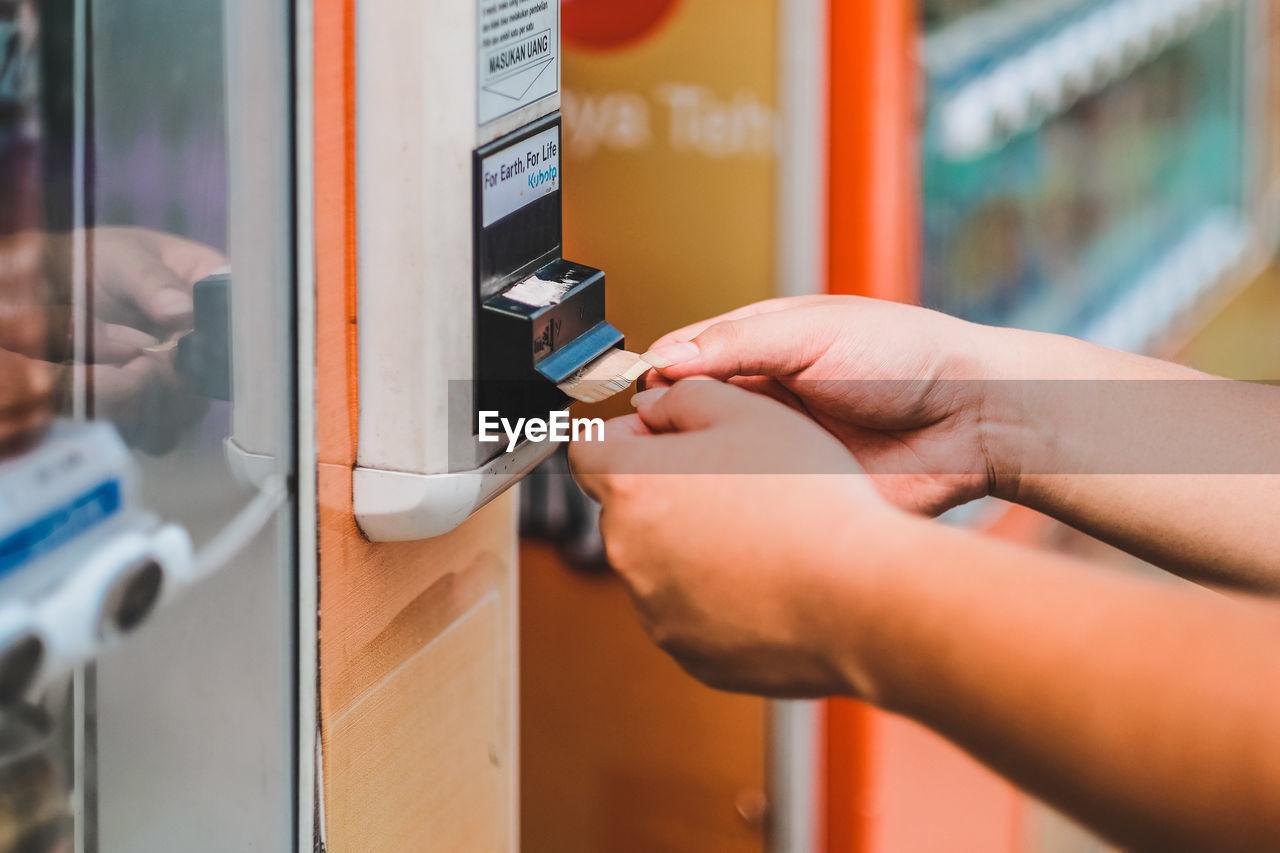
[141, 279]
[903, 388]
[731, 518]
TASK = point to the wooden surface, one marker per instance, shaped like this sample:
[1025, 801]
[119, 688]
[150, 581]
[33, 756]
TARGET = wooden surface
[416, 684]
[621, 751]
[417, 662]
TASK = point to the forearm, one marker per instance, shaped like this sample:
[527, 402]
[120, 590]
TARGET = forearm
[1177, 467]
[1148, 711]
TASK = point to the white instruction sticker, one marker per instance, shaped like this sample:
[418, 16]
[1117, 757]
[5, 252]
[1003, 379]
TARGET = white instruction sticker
[519, 49]
[520, 174]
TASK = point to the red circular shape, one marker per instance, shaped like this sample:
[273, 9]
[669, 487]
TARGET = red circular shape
[611, 24]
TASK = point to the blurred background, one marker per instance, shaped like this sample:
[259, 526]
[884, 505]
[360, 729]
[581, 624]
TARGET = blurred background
[1100, 168]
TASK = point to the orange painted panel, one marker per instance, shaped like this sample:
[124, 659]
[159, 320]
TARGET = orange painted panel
[891, 786]
[335, 223]
[622, 751]
[874, 233]
[416, 639]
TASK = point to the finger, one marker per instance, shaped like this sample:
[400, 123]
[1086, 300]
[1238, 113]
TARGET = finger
[142, 285]
[591, 463]
[768, 306]
[112, 343]
[653, 379]
[627, 425]
[115, 344]
[189, 260]
[164, 297]
[192, 261]
[769, 387]
[780, 343]
[691, 405]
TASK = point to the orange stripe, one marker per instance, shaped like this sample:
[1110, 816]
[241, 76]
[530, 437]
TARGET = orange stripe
[874, 232]
[872, 248]
[349, 191]
[337, 364]
[875, 242]
[846, 824]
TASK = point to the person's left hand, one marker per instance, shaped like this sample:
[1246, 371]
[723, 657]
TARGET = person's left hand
[728, 514]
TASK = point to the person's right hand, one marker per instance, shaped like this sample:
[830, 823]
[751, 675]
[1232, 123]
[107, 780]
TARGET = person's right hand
[903, 388]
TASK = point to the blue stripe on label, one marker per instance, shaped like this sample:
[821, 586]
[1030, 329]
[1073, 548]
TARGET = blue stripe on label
[60, 526]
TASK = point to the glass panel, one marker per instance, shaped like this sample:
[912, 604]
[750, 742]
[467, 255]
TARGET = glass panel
[146, 283]
[36, 734]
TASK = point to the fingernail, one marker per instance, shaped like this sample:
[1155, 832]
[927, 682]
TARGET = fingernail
[671, 354]
[648, 398]
[171, 304]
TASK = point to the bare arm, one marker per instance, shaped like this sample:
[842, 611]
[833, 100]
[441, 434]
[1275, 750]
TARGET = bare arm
[1175, 466]
[763, 561]
[1146, 711]
[1165, 462]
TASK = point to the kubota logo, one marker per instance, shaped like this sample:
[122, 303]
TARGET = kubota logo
[609, 24]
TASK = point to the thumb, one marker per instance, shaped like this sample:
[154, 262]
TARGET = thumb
[692, 405]
[776, 344]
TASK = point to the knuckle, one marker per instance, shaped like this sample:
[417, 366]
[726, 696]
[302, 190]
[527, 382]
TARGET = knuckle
[721, 336]
[623, 485]
[665, 636]
[615, 543]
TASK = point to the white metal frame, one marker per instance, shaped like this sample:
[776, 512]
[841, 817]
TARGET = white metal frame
[416, 129]
[309, 831]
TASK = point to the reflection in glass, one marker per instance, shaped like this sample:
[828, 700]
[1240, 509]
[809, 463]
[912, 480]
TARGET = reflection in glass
[138, 164]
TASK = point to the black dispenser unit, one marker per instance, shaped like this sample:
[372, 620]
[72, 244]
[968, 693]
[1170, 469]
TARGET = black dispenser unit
[540, 318]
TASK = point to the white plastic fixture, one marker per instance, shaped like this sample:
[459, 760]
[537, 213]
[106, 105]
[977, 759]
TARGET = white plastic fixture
[79, 564]
[417, 91]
